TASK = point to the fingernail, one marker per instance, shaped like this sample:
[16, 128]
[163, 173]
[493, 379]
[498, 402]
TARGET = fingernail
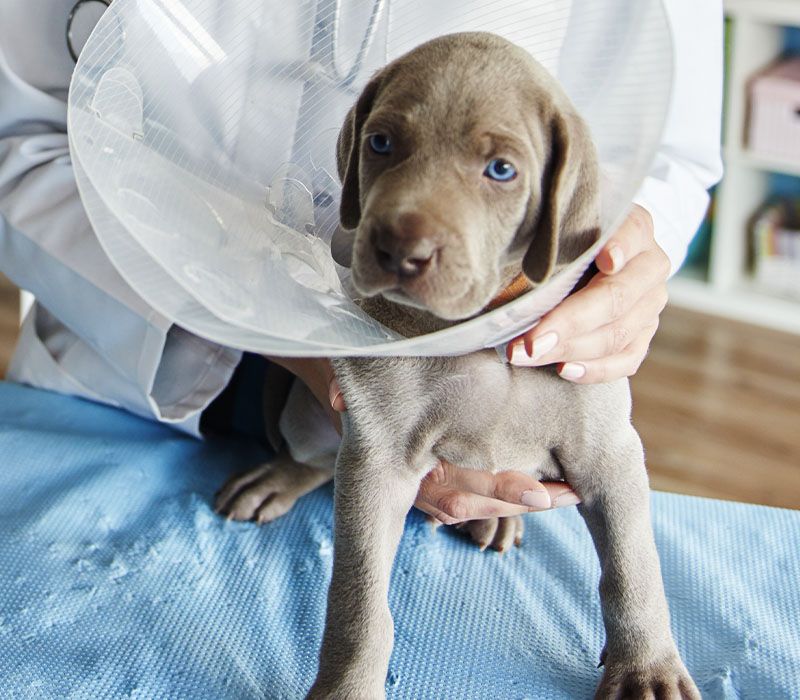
[519, 357]
[568, 498]
[572, 370]
[617, 257]
[333, 394]
[544, 344]
[539, 499]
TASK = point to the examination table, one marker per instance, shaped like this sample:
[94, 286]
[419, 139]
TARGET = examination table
[117, 580]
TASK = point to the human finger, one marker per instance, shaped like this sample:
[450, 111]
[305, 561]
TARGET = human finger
[451, 507]
[609, 369]
[610, 339]
[335, 394]
[317, 374]
[603, 300]
[633, 237]
[458, 494]
[512, 486]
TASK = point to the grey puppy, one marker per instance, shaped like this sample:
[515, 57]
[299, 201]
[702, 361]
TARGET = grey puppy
[463, 163]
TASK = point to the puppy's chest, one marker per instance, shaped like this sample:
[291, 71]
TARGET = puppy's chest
[472, 411]
[506, 423]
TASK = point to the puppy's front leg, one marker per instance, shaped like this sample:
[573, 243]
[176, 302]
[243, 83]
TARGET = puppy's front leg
[640, 656]
[372, 495]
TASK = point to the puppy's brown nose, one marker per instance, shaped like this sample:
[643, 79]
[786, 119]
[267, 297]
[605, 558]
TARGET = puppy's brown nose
[407, 247]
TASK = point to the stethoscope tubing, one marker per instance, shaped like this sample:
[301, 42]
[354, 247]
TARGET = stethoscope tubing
[71, 18]
[344, 79]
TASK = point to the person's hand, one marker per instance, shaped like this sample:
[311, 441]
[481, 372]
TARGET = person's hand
[449, 494]
[317, 374]
[603, 331]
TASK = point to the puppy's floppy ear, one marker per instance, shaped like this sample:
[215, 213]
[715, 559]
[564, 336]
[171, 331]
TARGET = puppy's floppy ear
[342, 246]
[348, 153]
[568, 220]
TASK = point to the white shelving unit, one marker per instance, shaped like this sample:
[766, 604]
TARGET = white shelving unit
[757, 38]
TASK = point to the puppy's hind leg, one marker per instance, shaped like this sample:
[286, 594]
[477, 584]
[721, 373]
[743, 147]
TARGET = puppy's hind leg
[269, 491]
[501, 534]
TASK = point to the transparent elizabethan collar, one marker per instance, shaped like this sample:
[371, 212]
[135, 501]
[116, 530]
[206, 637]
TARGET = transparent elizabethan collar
[203, 138]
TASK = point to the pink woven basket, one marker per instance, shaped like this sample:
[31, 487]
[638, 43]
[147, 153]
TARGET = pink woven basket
[775, 111]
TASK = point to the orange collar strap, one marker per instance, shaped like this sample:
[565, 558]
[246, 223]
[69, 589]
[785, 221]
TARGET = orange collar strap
[519, 285]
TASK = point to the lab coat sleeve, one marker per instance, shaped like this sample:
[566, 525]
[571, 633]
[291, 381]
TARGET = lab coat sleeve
[688, 161]
[95, 336]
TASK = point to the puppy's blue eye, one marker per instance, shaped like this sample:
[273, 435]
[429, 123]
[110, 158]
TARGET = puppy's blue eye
[500, 170]
[381, 144]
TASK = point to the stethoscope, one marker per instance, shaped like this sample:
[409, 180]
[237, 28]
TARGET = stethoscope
[326, 40]
[85, 14]
[82, 18]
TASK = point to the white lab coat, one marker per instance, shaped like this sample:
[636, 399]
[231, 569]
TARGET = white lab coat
[91, 335]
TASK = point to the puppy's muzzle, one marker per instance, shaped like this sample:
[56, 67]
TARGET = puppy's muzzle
[407, 247]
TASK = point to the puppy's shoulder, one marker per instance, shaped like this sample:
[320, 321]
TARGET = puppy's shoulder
[585, 402]
[605, 405]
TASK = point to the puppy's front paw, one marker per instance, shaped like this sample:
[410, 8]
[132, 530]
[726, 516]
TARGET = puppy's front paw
[664, 679]
[269, 491]
[498, 533]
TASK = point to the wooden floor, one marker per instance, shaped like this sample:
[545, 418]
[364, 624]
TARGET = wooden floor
[9, 308]
[717, 405]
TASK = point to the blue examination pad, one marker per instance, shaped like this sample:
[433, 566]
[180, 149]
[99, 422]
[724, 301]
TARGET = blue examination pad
[117, 580]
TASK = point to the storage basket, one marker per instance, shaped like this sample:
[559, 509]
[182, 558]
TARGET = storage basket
[775, 111]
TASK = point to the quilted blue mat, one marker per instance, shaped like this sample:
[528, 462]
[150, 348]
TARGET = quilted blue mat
[118, 581]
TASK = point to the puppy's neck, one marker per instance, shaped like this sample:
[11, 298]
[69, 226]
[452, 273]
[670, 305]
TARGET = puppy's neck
[411, 322]
[405, 320]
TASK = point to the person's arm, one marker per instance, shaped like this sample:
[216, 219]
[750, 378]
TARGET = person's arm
[603, 332]
[97, 337]
[689, 161]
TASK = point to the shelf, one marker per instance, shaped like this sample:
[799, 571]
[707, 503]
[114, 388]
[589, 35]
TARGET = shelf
[697, 272]
[743, 303]
[756, 35]
[772, 164]
[784, 12]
